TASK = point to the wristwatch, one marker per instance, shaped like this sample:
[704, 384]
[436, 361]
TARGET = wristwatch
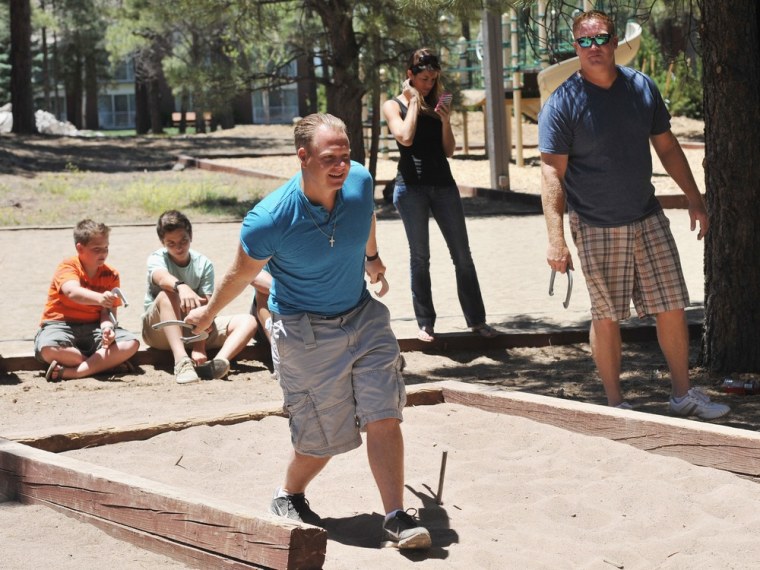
[176, 285]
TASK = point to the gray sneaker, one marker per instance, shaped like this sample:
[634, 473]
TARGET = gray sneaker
[213, 369]
[184, 371]
[404, 532]
[295, 507]
[696, 403]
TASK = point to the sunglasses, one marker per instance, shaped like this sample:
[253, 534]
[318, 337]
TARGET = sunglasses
[427, 62]
[598, 39]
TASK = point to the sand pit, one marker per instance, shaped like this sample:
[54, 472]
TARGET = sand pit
[517, 493]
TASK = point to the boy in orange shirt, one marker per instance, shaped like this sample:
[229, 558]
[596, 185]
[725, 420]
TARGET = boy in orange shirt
[78, 333]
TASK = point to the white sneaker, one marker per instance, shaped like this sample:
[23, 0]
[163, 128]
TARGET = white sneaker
[696, 403]
[624, 406]
[184, 371]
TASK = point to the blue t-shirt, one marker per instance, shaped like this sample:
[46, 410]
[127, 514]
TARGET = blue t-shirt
[308, 274]
[605, 133]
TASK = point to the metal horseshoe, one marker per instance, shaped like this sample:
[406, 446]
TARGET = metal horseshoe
[566, 302]
[186, 339]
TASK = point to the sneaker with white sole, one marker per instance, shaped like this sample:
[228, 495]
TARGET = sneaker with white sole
[184, 371]
[624, 406]
[403, 532]
[696, 403]
[213, 369]
[295, 507]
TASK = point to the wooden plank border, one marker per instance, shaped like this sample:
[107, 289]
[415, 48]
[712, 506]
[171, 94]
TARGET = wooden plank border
[206, 532]
[198, 531]
[169, 520]
[721, 447]
[442, 342]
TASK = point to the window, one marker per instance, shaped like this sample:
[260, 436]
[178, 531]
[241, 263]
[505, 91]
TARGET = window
[116, 111]
[125, 71]
[276, 106]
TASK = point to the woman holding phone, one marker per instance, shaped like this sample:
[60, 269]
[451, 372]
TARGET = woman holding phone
[420, 120]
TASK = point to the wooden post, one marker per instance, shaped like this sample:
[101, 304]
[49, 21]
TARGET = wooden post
[516, 87]
[497, 136]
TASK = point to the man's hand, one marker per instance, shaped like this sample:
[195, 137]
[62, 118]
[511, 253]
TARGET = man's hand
[698, 213]
[376, 271]
[558, 257]
[200, 318]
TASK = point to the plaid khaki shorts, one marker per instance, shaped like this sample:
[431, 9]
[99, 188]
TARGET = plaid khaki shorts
[637, 262]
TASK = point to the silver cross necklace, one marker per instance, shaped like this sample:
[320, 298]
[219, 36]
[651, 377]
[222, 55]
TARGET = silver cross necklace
[331, 237]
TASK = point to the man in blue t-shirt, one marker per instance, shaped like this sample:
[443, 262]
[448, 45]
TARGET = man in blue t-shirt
[333, 349]
[594, 136]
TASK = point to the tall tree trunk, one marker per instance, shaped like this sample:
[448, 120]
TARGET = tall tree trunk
[183, 106]
[74, 93]
[91, 119]
[307, 85]
[345, 91]
[57, 103]
[154, 103]
[46, 72]
[22, 100]
[375, 79]
[731, 55]
[142, 106]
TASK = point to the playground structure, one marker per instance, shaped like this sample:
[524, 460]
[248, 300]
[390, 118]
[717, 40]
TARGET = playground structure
[532, 40]
[529, 86]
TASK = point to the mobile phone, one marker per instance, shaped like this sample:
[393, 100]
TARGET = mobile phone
[444, 100]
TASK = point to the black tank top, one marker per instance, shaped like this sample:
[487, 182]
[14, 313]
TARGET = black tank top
[424, 162]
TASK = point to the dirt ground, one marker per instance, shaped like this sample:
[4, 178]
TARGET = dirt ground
[508, 250]
[560, 371]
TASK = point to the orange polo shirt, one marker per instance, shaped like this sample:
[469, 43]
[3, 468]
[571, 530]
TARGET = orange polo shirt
[61, 308]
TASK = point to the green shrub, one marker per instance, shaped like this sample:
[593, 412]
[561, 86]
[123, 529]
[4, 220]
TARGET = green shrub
[678, 78]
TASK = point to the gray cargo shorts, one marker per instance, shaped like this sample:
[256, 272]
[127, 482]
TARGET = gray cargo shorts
[337, 375]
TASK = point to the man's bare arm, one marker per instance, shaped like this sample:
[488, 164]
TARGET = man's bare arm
[674, 161]
[240, 274]
[553, 167]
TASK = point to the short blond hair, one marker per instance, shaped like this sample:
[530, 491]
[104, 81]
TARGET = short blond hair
[594, 15]
[86, 230]
[307, 127]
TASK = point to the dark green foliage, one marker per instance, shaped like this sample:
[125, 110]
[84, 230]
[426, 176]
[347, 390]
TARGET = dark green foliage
[678, 77]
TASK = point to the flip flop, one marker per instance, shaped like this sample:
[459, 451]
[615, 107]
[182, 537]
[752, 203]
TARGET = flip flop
[426, 335]
[486, 331]
[54, 372]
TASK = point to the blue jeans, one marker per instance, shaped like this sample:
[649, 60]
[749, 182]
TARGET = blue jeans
[415, 203]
